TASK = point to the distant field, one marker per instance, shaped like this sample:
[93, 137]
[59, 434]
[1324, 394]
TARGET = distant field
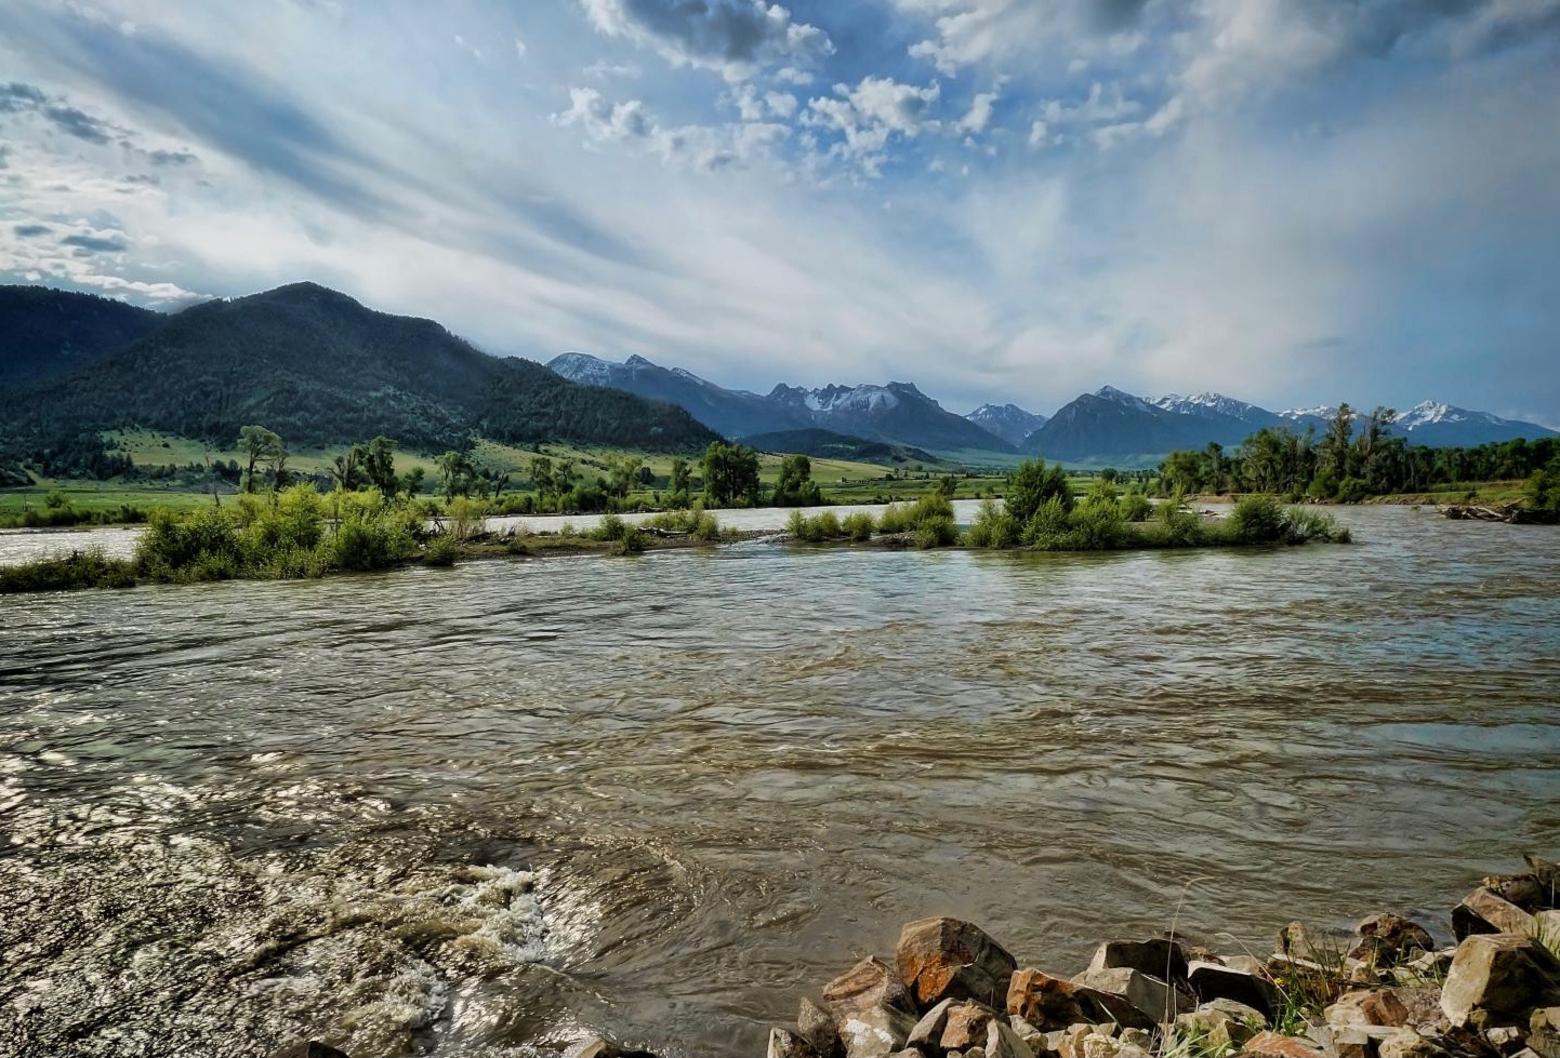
[1482, 492]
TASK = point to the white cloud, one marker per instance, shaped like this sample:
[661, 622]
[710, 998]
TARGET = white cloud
[870, 114]
[979, 115]
[738, 38]
[520, 48]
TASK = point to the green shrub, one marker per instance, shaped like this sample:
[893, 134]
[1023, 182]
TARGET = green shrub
[1256, 519]
[1034, 484]
[81, 569]
[611, 527]
[1303, 525]
[1352, 490]
[993, 528]
[706, 526]
[442, 550]
[858, 526]
[1048, 527]
[896, 518]
[825, 526]
[936, 531]
[1097, 526]
[631, 542]
[1135, 507]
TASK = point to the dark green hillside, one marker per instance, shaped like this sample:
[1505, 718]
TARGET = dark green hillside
[320, 369]
[46, 333]
[826, 444]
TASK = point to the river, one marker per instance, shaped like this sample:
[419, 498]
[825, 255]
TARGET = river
[473, 812]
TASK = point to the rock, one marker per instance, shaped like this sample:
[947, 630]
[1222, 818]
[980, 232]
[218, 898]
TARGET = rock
[1099, 1045]
[1029, 1034]
[1547, 875]
[1213, 981]
[1044, 1001]
[309, 1049]
[1377, 1007]
[1406, 1043]
[870, 983]
[1151, 995]
[1217, 1027]
[1247, 964]
[1324, 947]
[1501, 973]
[1431, 966]
[1157, 958]
[783, 1043]
[1544, 1032]
[942, 958]
[965, 1025]
[1355, 1041]
[598, 1047]
[975, 1052]
[929, 1030]
[1003, 1042]
[875, 1032]
[1276, 1045]
[1388, 939]
[817, 1026]
[1486, 911]
[1507, 1039]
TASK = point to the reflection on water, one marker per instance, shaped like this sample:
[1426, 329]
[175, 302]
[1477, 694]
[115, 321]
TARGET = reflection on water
[477, 811]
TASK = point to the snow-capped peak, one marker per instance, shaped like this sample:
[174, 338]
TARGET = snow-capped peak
[1121, 396]
[1321, 411]
[1428, 412]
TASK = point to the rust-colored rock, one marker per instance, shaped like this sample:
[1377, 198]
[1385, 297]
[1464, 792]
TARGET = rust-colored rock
[946, 958]
[1044, 1001]
[1277, 1045]
[1375, 1007]
[965, 1026]
[870, 983]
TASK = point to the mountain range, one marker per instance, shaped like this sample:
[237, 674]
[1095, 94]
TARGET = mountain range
[1008, 421]
[1108, 426]
[315, 366]
[895, 413]
[322, 369]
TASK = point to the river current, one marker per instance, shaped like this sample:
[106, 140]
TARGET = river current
[482, 811]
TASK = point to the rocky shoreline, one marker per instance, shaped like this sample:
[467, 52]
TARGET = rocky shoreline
[1384, 990]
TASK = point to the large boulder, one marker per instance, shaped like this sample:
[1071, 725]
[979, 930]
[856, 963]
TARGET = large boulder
[943, 958]
[1502, 974]
[1487, 911]
[1368, 1007]
[783, 1043]
[1209, 981]
[1158, 957]
[875, 1032]
[1155, 997]
[1388, 939]
[818, 1027]
[1215, 1028]
[870, 983]
[965, 1025]
[1044, 1001]
[1003, 1042]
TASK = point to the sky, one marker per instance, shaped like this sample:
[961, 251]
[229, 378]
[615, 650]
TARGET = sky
[1293, 202]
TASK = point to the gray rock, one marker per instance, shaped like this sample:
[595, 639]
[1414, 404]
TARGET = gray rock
[1210, 981]
[818, 1027]
[783, 1043]
[875, 1032]
[870, 983]
[1486, 911]
[1387, 939]
[1406, 1043]
[929, 1030]
[1157, 958]
[1151, 995]
[309, 1049]
[1003, 1042]
[1501, 973]
[1544, 1032]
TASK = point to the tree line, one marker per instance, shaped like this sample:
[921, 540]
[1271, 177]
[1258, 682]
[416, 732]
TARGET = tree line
[1355, 457]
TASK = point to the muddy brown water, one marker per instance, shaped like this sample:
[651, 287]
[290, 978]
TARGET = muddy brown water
[480, 811]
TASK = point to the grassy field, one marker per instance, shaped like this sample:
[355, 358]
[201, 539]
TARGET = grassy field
[1484, 493]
